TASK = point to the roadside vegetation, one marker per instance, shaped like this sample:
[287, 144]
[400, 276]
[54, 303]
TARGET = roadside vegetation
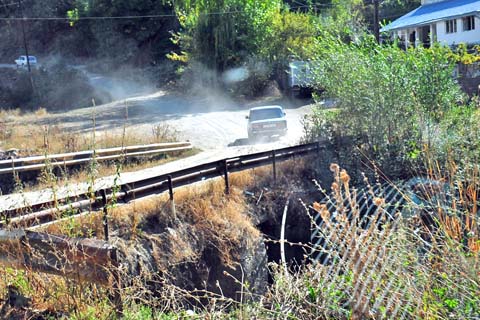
[41, 140]
[401, 107]
[400, 114]
[54, 86]
[406, 269]
[182, 43]
[37, 139]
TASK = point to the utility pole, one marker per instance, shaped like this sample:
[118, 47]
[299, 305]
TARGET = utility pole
[376, 22]
[24, 36]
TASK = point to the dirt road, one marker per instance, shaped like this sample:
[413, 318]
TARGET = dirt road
[7, 66]
[207, 118]
[209, 122]
[213, 123]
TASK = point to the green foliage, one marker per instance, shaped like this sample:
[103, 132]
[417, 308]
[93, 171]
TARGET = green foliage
[347, 13]
[392, 99]
[462, 54]
[393, 9]
[73, 16]
[19, 279]
[139, 313]
[292, 33]
[459, 134]
[222, 34]
[54, 87]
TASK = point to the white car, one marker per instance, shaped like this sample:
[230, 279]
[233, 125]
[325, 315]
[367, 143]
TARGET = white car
[22, 61]
[266, 121]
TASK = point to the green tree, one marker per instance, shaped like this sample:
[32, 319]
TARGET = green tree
[138, 40]
[222, 34]
[393, 100]
[293, 33]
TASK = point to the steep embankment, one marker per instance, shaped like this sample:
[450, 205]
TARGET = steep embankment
[58, 87]
[209, 244]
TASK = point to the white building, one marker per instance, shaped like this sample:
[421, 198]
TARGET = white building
[449, 22]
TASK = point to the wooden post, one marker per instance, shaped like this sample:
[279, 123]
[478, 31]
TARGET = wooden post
[274, 167]
[117, 284]
[172, 202]
[225, 172]
[376, 22]
[105, 213]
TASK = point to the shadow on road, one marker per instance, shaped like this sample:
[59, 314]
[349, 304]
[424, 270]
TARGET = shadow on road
[239, 142]
[246, 141]
[157, 108]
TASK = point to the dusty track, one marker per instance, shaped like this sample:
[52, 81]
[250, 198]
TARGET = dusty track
[209, 122]
[213, 123]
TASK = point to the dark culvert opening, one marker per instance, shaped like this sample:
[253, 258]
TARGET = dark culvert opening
[297, 234]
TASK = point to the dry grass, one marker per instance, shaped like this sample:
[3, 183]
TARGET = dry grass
[398, 269]
[203, 205]
[194, 203]
[203, 209]
[10, 114]
[105, 170]
[41, 140]
[18, 130]
[38, 140]
[458, 218]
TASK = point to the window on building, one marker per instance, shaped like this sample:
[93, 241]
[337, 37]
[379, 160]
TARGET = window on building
[468, 23]
[451, 26]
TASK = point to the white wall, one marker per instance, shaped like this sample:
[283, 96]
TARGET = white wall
[430, 1]
[472, 36]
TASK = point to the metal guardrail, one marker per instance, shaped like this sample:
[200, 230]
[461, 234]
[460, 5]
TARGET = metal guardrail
[75, 158]
[45, 212]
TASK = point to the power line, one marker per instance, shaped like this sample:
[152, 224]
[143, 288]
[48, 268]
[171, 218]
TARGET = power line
[93, 18]
[151, 16]
[327, 5]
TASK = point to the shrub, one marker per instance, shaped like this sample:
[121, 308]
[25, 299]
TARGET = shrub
[393, 100]
[58, 87]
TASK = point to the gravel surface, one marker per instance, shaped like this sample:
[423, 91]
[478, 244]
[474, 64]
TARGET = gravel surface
[21, 200]
[213, 123]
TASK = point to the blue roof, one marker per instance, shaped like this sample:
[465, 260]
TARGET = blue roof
[433, 12]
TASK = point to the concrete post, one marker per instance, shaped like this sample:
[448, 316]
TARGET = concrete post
[407, 38]
[433, 33]
[417, 37]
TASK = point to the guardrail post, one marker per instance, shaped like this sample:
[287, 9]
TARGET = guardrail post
[105, 213]
[117, 284]
[274, 166]
[170, 192]
[225, 172]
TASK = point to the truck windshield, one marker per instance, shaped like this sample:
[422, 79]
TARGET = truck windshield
[263, 114]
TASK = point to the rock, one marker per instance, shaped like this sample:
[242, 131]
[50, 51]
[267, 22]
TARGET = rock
[16, 299]
[183, 257]
[9, 154]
